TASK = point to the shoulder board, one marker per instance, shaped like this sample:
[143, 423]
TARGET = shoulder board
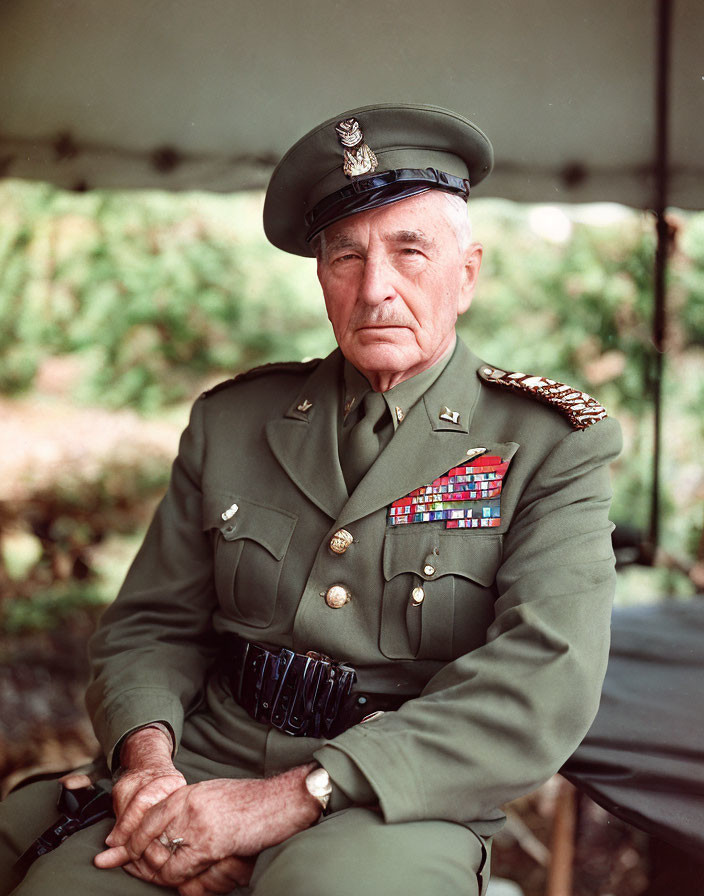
[580, 409]
[262, 370]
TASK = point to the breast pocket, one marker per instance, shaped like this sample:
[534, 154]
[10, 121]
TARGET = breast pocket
[438, 596]
[250, 541]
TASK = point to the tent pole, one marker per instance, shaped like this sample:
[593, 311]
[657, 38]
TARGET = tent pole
[663, 46]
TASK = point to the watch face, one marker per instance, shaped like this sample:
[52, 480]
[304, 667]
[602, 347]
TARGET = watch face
[318, 785]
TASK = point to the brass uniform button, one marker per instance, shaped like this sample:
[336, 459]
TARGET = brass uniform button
[337, 596]
[340, 541]
[417, 596]
[428, 570]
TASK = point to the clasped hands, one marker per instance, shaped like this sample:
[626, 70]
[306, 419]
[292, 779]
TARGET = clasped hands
[219, 826]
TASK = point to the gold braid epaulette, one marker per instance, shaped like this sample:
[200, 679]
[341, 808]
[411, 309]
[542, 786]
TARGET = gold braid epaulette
[580, 409]
[276, 367]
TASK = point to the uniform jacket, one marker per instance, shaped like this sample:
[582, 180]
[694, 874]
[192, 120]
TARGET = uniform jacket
[504, 658]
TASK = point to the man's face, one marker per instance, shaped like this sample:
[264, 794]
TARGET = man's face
[394, 280]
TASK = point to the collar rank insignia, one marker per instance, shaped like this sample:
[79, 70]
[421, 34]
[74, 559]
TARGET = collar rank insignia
[358, 157]
[466, 497]
[580, 409]
[449, 415]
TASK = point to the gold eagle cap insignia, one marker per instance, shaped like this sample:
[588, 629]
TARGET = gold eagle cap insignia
[358, 157]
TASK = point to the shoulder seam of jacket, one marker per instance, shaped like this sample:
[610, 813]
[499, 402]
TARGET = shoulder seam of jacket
[264, 369]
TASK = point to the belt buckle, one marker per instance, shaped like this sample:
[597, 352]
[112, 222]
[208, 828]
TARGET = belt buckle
[295, 709]
[280, 699]
[309, 694]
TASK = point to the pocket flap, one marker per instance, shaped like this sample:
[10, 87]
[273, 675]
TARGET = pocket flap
[432, 552]
[268, 526]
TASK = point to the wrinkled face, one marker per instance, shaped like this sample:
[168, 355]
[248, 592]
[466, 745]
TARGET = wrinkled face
[394, 280]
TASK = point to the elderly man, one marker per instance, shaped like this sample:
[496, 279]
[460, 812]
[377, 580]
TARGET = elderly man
[374, 603]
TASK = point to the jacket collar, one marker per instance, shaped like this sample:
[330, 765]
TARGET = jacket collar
[432, 438]
[304, 440]
[427, 443]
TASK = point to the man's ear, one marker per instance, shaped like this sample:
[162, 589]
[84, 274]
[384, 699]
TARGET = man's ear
[473, 261]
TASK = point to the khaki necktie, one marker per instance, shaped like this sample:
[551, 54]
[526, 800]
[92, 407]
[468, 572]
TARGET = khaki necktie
[367, 438]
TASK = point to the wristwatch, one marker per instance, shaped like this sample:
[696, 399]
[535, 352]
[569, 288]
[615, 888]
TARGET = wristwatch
[318, 785]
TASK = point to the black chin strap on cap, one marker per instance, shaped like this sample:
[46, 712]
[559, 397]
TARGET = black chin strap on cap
[380, 189]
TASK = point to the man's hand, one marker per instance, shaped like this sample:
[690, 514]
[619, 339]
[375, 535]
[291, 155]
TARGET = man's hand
[213, 821]
[149, 777]
[223, 877]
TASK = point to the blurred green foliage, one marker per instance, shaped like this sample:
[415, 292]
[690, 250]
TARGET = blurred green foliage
[159, 295]
[152, 292]
[49, 608]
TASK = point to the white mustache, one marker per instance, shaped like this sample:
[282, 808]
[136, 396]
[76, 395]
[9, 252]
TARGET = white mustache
[381, 317]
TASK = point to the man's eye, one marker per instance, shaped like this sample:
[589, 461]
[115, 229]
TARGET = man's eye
[349, 257]
[409, 250]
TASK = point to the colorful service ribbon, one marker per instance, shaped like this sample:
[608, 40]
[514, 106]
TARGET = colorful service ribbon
[466, 497]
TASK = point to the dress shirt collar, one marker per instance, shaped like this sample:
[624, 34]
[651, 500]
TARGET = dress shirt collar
[399, 399]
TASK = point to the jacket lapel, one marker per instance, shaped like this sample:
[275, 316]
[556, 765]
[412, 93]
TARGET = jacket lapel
[305, 441]
[426, 444]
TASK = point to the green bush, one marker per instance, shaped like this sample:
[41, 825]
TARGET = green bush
[154, 293]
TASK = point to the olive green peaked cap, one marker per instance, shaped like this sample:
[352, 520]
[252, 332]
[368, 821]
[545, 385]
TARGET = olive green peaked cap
[366, 158]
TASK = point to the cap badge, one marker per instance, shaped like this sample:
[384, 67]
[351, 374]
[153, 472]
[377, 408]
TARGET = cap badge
[359, 159]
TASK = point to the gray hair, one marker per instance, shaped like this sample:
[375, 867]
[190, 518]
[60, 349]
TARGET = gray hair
[458, 217]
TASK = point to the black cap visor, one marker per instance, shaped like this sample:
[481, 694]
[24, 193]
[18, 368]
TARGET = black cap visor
[378, 190]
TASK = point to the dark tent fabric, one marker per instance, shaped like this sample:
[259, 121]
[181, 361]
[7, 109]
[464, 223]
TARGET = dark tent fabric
[176, 94]
[643, 758]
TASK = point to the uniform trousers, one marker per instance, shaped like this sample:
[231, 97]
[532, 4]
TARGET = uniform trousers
[350, 852]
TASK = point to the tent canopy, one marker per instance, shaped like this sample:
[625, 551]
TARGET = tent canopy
[207, 95]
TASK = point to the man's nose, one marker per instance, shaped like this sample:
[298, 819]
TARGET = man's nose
[376, 285]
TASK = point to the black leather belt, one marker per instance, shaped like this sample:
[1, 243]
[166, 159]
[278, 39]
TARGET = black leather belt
[302, 694]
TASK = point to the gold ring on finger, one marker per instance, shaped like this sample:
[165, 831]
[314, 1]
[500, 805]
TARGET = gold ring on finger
[171, 843]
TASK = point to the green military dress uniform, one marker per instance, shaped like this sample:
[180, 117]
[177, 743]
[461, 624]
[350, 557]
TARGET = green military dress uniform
[503, 659]
[497, 635]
